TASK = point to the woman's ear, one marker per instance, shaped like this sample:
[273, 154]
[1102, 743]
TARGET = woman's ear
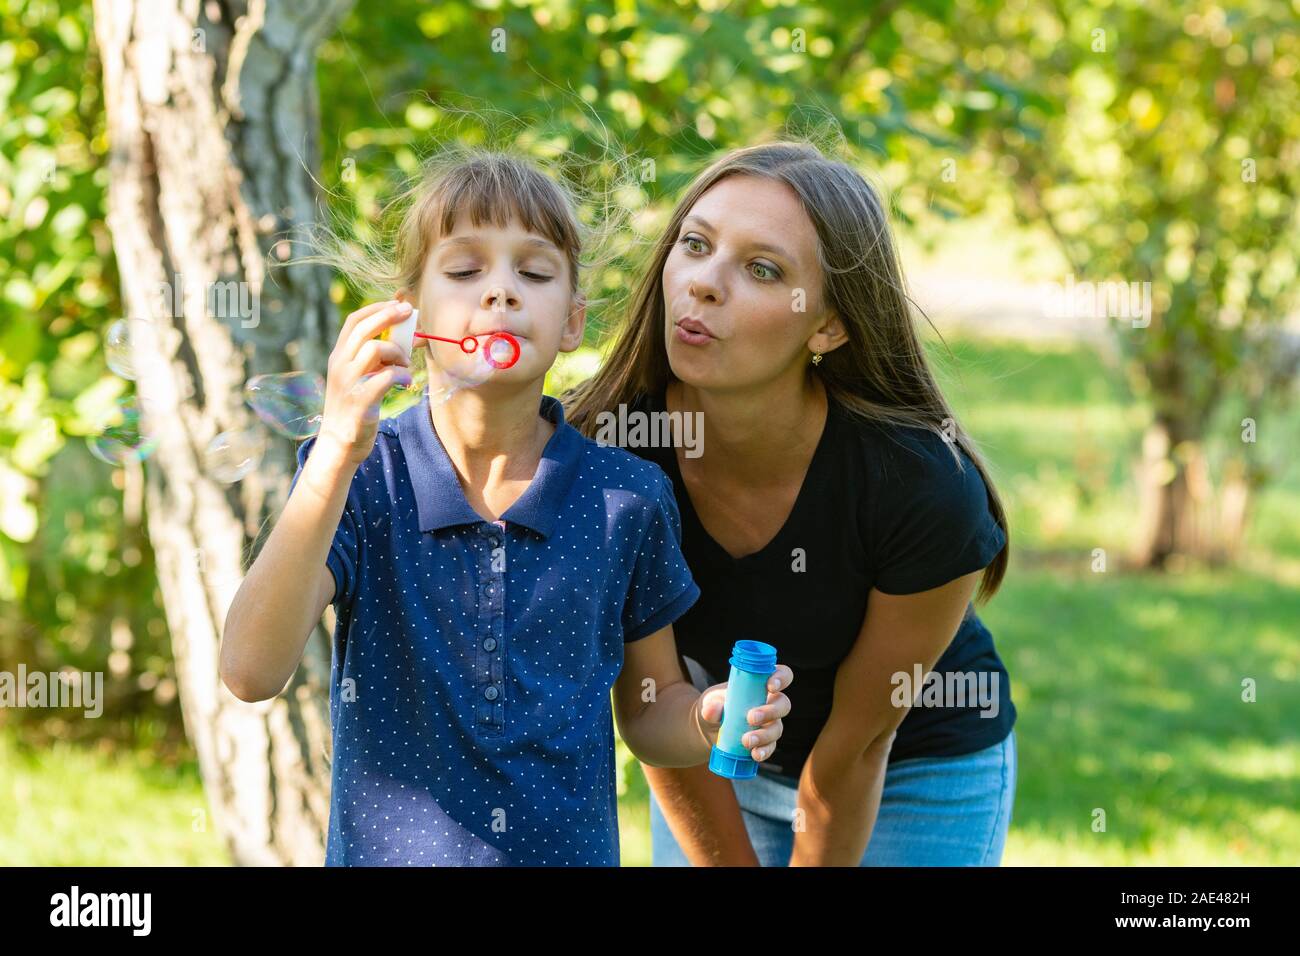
[404, 295]
[830, 335]
[575, 324]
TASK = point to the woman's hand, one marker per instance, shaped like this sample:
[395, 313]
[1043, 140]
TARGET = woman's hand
[765, 720]
[362, 368]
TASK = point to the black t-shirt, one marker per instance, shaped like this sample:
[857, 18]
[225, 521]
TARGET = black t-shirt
[881, 507]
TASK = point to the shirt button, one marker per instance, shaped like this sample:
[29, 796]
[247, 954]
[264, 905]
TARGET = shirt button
[490, 693]
[490, 644]
[489, 589]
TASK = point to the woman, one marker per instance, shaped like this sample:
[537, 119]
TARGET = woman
[837, 511]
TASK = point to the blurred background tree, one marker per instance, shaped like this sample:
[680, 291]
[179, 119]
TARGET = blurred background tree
[1161, 144]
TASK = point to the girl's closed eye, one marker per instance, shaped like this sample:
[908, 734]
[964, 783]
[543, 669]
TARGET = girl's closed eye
[527, 274]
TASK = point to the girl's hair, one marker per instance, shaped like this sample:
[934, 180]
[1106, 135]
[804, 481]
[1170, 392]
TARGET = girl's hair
[485, 185]
[880, 374]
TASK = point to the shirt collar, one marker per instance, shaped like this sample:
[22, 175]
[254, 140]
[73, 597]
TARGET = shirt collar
[439, 499]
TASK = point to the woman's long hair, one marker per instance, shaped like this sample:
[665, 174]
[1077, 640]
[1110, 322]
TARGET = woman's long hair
[880, 374]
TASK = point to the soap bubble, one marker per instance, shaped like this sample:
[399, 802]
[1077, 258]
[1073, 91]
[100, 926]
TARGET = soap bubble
[401, 397]
[117, 349]
[292, 403]
[439, 395]
[117, 346]
[233, 454]
[449, 365]
[124, 437]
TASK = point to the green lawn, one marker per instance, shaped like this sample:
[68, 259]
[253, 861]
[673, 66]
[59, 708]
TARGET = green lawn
[1128, 685]
[66, 806]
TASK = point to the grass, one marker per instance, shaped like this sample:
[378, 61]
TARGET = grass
[77, 806]
[1129, 685]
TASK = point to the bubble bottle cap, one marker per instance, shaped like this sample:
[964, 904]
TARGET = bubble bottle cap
[403, 333]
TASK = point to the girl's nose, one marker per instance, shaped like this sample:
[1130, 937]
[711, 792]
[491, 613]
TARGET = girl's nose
[498, 299]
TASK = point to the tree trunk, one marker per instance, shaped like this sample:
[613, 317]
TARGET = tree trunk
[213, 125]
[1179, 513]
[1238, 494]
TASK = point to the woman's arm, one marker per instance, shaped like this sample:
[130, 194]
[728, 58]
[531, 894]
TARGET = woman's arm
[841, 783]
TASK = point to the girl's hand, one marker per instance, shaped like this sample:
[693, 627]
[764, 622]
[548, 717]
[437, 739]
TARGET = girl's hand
[766, 720]
[362, 368]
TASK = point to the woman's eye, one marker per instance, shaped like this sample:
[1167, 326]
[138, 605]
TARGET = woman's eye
[461, 275]
[768, 275]
[536, 277]
[687, 240]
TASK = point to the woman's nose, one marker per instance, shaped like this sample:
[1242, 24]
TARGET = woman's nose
[703, 287]
[498, 299]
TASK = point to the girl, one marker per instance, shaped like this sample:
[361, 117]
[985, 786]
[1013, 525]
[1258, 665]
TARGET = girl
[838, 511]
[495, 574]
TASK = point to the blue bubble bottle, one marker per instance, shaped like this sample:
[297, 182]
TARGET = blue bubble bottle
[752, 664]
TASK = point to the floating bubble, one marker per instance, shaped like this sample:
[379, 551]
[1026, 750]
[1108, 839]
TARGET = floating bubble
[124, 437]
[119, 338]
[396, 400]
[440, 395]
[233, 454]
[292, 403]
[117, 349]
[453, 368]
[402, 397]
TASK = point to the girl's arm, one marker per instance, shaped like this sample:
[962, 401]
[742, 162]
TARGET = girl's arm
[671, 727]
[841, 783]
[274, 611]
[282, 598]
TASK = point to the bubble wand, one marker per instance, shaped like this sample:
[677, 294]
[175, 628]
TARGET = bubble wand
[469, 345]
[501, 350]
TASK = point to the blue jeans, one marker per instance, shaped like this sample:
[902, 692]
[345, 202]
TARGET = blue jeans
[934, 811]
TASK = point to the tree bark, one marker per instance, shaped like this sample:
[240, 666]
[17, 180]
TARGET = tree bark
[213, 125]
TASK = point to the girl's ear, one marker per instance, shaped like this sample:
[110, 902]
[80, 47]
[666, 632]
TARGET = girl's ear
[575, 324]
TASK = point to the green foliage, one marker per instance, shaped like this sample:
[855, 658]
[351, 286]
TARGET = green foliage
[665, 86]
[1165, 148]
[77, 584]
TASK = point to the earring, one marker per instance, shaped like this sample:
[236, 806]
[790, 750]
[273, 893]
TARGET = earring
[817, 357]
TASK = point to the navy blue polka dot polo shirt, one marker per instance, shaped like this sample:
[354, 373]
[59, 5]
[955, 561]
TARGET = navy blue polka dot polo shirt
[473, 660]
